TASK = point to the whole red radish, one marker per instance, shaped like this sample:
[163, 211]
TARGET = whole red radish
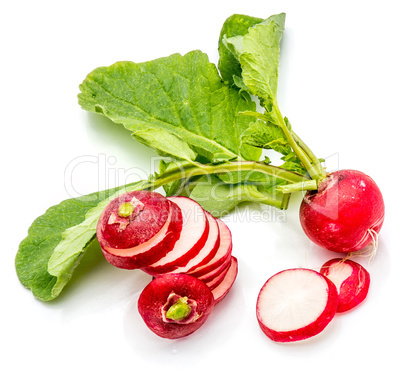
[296, 304]
[175, 305]
[345, 214]
[138, 228]
[351, 279]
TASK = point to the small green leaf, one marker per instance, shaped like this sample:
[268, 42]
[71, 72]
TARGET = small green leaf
[266, 135]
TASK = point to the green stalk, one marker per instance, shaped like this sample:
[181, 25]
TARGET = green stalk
[189, 170]
[186, 171]
[316, 163]
[311, 169]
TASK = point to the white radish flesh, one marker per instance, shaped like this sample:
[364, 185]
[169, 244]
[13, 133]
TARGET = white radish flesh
[351, 279]
[296, 304]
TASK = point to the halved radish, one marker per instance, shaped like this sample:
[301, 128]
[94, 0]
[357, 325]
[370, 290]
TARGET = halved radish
[138, 228]
[296, 304]
[223, 288]
[193, 236]
[223, 254]
[175, 305]
[351, 279]
[209, 249]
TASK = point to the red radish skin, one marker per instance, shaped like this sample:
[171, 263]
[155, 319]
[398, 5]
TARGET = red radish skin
[150, 212]
[145, 253]
[162, 292]
[193, 237]
[223, 288]
[222, 255]
[296, 304]
[351, 279]
[345, 214]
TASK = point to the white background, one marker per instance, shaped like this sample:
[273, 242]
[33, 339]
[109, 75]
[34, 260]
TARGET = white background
[340, 86]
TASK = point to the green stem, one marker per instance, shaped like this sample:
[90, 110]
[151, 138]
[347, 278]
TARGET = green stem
[190, 170]
[317, 164]
[311, 169]
[299, 186]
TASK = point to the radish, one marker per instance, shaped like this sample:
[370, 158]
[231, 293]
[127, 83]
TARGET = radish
[138, 228]
[193, 237]
[296, 304]
[175, 305]
[216, 271]
[213, 283]
[223, 288]
[351, 279]
[209, 249]
[345, 214]
[222, 255]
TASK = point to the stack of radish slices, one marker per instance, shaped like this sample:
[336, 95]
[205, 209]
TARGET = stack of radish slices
[168, 236]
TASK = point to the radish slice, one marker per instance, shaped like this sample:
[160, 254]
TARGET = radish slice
[351, 280]
[151, 250]
[219, 278]
[223, 254]
[215, 272]
[296, 304]
[208, 251]
[193, 236]
[223, 288]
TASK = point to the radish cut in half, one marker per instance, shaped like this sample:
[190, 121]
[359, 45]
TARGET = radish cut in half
[350, 278]
[209, 249]
[223, 288]
[193, 236]
[296, 304]
[175, 305]
[143, 253]
[223, 253]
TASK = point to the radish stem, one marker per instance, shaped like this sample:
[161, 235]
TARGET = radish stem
[311, 169]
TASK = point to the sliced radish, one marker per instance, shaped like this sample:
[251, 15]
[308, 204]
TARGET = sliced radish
[209, 249]
[212, 284]
[223, 254]
[351, 279]
[296, 304]
[154, 247]
[215, 272]
[193, 236]
[223, 288]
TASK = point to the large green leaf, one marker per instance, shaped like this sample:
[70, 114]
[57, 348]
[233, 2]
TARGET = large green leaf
[180, 99]
[56, 241]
